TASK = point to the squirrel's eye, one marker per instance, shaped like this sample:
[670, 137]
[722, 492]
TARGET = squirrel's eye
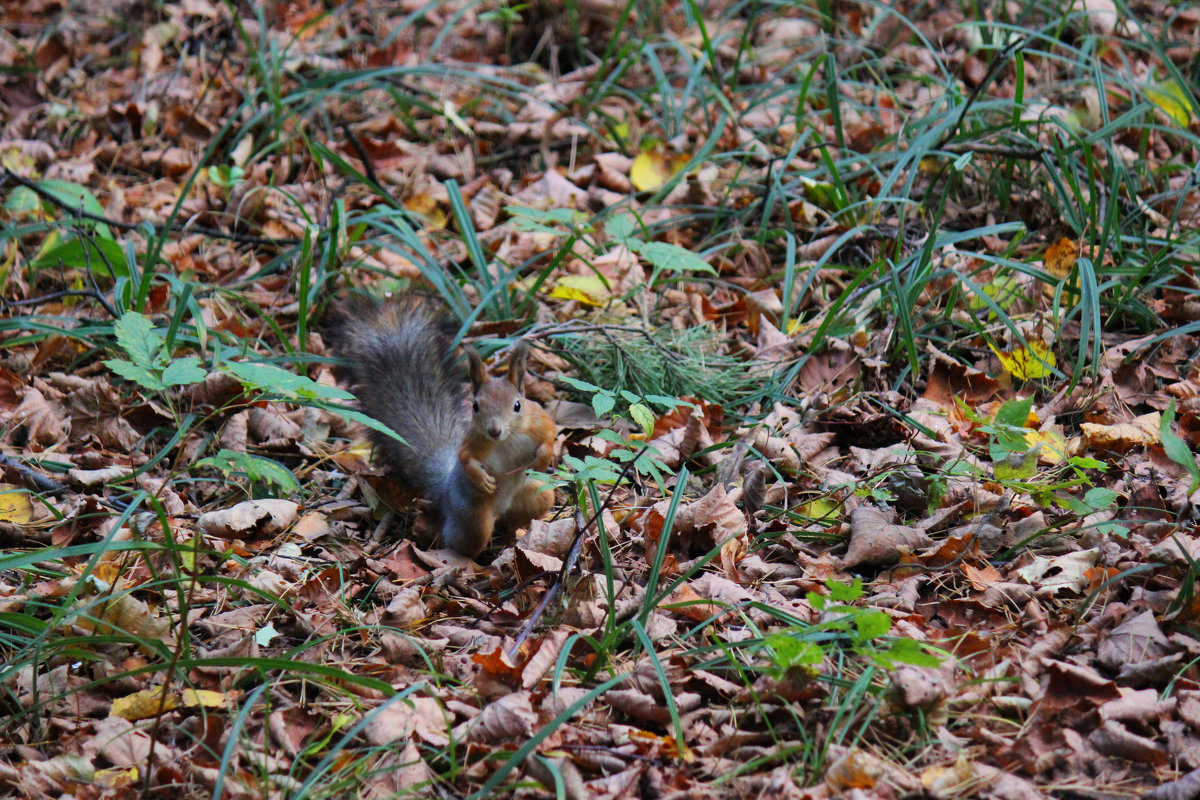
[517, 407]
[475, 406]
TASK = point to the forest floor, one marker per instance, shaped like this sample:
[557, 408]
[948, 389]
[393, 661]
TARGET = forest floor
[870, 331]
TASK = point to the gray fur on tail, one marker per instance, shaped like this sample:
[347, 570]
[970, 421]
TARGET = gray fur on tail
[399, 355]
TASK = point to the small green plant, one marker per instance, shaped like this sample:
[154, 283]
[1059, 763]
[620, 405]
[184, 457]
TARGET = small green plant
[262, 473]
[800, 651]
[150, 364]
[646, 460]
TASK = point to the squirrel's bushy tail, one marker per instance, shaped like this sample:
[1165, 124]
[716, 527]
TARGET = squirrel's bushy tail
[399, 356]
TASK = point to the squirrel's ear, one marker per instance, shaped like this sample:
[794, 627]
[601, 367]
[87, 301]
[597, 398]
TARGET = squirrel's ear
[475, 369]
[516, 365]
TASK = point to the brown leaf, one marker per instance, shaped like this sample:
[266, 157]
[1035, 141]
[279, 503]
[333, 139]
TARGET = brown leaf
[875, 540]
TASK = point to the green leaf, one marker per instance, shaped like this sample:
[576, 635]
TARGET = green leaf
[790, 651]
[910, 651]
[582, 386]
[1100, 498]
[1172, 99]
[871, 624]
[643, 416]
[95, 253]
[844, 592]
[1010, 466]
[182, 371]
[132, 372]
[269, 378]
[671, 258]
[75, 196]
[1175, 447]
[536, 221]
[668, 403]
[1014, 413]
[256, 468]
[354, 415]
[602, 403]
[136, 336]
[620, 227]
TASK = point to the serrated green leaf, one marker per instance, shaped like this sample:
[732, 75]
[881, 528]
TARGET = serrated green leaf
[183, 371]
[132, 372]
[620, 227]
[602, 403]
[671, 258]
[643, 416]
[667, 403]
[575, 383]
[844, 592]
[269, 378]
[1100, 498]
[256, 469]
[871, 624]
[136, 336]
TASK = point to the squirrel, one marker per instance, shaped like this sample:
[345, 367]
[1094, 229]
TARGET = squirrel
[468, 463]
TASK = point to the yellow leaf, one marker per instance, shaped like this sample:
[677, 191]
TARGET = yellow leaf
[143, 704]
[821, 510]
[1172, 100]
[1060, 257]
[206, 697]
[115, 778]
[1027, 364]
[651, 168]
[15, 506]
[1053, 444]
[426, 205]
[588, 289]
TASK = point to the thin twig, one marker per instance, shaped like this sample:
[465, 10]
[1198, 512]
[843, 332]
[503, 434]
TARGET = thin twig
[178, 227]
[572, 556]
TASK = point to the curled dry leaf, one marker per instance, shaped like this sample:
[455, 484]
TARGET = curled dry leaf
[1135, 640]
[419, 717]
[876, 540]
[554, 538]
[272, 427]
[251, 519]
[505, 719]
[1069, 571]
[715, 513]
[541, 660]
[93, 478]
[1114, 739]
[1123, 436]
[917, 688]
[407, 610]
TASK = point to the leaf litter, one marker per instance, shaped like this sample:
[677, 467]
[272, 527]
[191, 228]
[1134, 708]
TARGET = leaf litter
[948, 551]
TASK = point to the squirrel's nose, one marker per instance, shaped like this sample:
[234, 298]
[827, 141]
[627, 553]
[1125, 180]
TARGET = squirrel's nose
[494, 431]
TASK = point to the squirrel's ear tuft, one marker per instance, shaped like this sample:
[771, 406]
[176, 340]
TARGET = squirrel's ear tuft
[475, 369]
[517, 363]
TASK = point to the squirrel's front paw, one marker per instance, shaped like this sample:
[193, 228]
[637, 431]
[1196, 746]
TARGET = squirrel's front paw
[480, 477]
